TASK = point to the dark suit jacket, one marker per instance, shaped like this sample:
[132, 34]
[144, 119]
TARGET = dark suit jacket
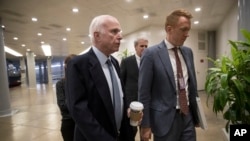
[90, 102]
[129, 77]
[157, 88]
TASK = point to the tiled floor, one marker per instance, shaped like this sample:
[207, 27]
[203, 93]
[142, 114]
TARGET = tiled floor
[38, 117]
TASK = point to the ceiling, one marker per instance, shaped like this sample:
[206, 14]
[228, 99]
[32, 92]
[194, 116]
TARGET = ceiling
[54, 16]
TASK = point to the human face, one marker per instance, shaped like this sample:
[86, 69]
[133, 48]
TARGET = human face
[177, 34]
[139, 48]
[110, 36]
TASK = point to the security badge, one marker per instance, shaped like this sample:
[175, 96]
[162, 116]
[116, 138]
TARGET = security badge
[181, 83]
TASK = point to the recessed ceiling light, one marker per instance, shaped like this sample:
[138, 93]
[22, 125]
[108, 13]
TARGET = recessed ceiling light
[196, 22]
[82, 42]
[28, 49]
[39, 34]
[42, 42]
[197, 9]
[3, 26]
[23, 45]
[75, 10]
[68, 29]
[128, 0]
[145, 16]
[64, 39]
[34, 19]
[15, 38]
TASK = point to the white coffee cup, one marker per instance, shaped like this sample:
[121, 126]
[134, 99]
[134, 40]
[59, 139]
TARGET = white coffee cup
[135, 112]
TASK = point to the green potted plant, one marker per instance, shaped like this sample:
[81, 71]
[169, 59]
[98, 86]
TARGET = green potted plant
[124, 54]
[228, 83]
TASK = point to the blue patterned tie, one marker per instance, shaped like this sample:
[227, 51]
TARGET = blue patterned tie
[116, 96]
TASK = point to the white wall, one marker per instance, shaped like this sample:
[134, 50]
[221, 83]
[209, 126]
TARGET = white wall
[154, 34]
[228, 30]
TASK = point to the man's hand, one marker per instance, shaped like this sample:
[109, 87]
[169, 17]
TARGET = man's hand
[145, 134]
[141, 115]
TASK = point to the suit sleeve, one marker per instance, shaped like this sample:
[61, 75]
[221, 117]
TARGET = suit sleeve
[144, 85]
[193, 90]
[60, 95]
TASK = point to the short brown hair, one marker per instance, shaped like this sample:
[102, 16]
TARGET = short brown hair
[173, 17]
[69, 57]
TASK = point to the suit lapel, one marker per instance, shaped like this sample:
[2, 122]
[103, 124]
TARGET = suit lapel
[164, 56]
[186, 58]
[134, 63]
[101, 84]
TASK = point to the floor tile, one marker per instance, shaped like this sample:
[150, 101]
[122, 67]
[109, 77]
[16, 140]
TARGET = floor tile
[38, 117]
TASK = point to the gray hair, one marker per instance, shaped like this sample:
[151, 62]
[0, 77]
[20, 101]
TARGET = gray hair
[138, 39]
[96, 25]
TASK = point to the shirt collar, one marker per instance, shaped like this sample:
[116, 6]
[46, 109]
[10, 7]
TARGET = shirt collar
[100, 56]
[137, 57]
[168, 44]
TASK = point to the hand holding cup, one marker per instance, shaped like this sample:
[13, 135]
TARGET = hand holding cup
[135, 113]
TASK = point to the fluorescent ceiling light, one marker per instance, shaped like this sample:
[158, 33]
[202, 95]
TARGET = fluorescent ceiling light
[46, 49]
[12, 52]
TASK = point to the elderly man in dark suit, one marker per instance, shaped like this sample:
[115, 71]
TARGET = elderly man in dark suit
[95, 101]
[167, 84]
[130, 72]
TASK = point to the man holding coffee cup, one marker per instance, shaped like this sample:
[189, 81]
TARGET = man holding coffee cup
[130, 73]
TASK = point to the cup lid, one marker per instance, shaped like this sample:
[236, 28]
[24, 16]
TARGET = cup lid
[136, 105]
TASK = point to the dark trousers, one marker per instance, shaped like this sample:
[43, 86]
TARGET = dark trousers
[134, 132]
[182, 129]
[67, 129]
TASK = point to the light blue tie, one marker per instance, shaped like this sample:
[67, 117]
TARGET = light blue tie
[116, 96]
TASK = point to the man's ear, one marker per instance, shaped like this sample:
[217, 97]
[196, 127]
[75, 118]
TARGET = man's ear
[168, 28]
[97, 36]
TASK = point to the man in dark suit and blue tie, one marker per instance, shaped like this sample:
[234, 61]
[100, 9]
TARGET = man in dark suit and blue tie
[93, 99]
[167, 85]
[130, 72]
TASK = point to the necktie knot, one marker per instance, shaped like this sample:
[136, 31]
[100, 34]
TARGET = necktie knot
[175, 49]
[109, 62]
